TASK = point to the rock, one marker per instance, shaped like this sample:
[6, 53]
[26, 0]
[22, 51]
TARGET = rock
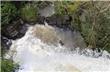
[15, 30]
[55, 20]
[5, 43]
[59, 21]
[40, 19]
[47, 11]
[61, 42]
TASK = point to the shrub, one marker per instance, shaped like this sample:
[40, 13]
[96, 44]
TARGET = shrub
[66, 7]
[8, 12]
[29, 13]
[94, 24]
[8, 66]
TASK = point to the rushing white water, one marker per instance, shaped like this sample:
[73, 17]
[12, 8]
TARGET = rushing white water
[33, 55]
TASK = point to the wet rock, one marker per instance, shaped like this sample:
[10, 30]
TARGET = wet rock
[47, 11]
[93, 52]
[5, 43]
[59, 21]
[61, 42]
[15, 30]
[40, 19]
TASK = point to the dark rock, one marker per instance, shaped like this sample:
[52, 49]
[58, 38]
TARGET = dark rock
[40, 20]
[15, 30]
[59, 21]
[5, 43]
[22, 30]
[93, 49]
[96, 49]
[61, 42]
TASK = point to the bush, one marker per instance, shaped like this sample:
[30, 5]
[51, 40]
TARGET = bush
[8, 12]
[94, 24]
[29, 13]
[8, 66]
[66, 7]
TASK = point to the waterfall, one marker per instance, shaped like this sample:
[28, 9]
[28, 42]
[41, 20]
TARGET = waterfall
[40, 51]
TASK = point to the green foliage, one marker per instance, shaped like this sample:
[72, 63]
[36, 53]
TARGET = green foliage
[29, 13]
[94, 24]
[66, 7]
[8, 12]
[60, 7]
[104, 32]
[92, 19]
[91, 38]
[8, 65]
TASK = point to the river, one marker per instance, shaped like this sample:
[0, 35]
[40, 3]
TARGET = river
[40, 51]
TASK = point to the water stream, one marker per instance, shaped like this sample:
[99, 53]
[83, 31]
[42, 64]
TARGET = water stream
[40, 51]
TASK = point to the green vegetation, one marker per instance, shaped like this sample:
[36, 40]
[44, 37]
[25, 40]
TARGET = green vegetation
[29, 13]
[66, 7]
[8, 13]
[92, 19]
[8, 66]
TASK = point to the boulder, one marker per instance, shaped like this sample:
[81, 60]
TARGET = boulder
[15, 30]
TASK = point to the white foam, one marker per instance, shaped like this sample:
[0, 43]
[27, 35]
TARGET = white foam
[35, 56]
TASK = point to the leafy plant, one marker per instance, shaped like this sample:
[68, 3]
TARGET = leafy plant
[8, 12]
[8, 65]
[29, 13]
[66, 7]
[94, 24]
